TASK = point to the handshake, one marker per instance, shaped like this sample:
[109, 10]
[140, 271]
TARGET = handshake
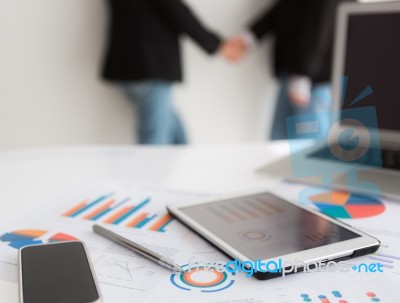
[234, 49]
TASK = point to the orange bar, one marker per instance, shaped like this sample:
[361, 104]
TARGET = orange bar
[99, 210]
[137, 220]
[160, 223]
[74, 209]
[117, 215]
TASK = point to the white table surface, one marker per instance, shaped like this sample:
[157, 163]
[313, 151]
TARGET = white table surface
[30, 178]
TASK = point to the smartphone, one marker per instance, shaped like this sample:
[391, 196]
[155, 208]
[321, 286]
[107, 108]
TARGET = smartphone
[57, 272]
[262, 227]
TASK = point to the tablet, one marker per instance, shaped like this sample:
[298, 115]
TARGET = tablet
[262, 227]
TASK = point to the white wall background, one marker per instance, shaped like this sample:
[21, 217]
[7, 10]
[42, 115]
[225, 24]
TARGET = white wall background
[51, 92]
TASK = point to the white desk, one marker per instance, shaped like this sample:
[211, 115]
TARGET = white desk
[46, 173]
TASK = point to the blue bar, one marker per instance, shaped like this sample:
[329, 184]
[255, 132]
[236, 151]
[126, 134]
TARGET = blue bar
[165, 225]
[144, 221]
[106, 211]
[133, 210]
[90, 205]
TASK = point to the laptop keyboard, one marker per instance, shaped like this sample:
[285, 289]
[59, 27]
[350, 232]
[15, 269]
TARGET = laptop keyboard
[388, 158]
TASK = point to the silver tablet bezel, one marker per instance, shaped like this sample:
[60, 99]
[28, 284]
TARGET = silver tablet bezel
[20, 280]
[320, 254]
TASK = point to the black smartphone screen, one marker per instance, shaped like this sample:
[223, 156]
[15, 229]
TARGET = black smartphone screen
[57, 273]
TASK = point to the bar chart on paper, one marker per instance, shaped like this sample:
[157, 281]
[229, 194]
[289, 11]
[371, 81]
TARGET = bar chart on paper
[116, 209]
[359, 289]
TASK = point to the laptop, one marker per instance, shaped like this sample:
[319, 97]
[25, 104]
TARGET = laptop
[361, 153]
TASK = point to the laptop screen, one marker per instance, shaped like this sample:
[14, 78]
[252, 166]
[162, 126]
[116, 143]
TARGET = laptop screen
[372, 57]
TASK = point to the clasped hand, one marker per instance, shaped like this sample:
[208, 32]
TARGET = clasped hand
[234, 49]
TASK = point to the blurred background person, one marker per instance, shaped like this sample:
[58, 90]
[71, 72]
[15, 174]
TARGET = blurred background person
[144, 59]
[303, 51]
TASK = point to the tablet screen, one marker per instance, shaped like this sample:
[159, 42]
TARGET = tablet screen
[264, 226]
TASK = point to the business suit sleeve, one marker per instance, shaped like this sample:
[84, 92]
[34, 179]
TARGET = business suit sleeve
[180, 15]
[267, 21]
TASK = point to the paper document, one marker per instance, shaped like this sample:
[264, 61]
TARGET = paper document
[138, 212]
[135, 211]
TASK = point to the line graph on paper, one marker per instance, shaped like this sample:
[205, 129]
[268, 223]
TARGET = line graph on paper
[124, 270]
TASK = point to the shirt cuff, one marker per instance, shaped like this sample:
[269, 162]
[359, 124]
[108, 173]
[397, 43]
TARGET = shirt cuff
[249, 38]
[300, 85]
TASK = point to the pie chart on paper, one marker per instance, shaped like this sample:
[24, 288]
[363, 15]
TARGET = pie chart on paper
[347, 206]
[20, 238]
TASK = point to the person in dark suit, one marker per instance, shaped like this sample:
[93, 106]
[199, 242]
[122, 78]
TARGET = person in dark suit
[303, 55]
[144, 59]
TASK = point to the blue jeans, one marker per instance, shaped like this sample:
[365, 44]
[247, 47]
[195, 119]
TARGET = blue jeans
[321, 101]
[158, 122]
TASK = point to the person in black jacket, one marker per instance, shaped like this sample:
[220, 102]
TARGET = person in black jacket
[144, 58]
[303, 56]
